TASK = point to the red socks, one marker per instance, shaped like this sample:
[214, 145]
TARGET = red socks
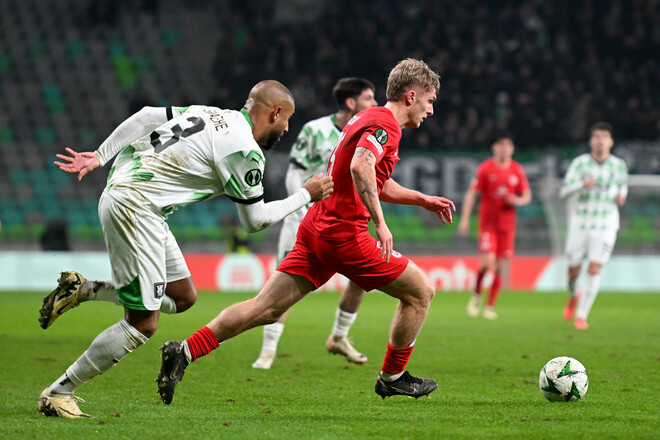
[495, 290]
[202, 342]
[480, 277]
[396, 359]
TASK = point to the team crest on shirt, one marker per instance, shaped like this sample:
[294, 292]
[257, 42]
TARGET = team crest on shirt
[513, 180]
[381, 136]
[159, 290]
[253, 177]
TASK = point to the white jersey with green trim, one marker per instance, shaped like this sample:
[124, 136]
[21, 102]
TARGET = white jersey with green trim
[595, 208]
[200, 153]
[314, 145]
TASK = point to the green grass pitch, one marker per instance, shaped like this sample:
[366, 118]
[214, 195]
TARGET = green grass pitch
[487, 371]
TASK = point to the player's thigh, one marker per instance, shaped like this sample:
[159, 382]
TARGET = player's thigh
[304, 259]
[411, 286]
[487, 241]
[136, 248]
[505, 243]
[600, 246]
[281, 291]
[576, 247]
[360, 260]
[179, 283]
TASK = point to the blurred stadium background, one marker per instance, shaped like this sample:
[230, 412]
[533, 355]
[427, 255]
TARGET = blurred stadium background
[72, 70]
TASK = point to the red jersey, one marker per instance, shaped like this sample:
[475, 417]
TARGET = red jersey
[495, 183]
[342, 215]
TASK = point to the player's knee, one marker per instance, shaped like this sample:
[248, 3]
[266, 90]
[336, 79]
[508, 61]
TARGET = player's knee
[187, 300]
[424, 294]
[147, 328]
[593, 269]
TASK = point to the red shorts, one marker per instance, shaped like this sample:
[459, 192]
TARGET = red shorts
[498, 241]
[358, 259]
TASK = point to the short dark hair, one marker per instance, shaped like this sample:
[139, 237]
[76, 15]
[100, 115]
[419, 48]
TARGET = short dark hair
[601, 125]
[501, 135]
[350, 88]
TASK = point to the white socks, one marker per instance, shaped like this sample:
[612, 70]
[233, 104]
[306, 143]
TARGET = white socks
[99, 291]
[105, 291]
[109, 347]
[272, 334]
[591, 288]
[343, 322]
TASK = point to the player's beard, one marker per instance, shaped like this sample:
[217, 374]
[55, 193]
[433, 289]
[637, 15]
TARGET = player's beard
[273, 137]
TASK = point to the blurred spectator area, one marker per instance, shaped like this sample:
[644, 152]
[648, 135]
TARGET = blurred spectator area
[72, 70]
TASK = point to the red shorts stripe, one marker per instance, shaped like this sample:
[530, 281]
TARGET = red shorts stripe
[358, 259]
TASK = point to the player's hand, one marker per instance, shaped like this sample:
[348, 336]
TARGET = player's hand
[464, 227]
[588, 183]
[442, 206]
[621, 199]
[513, 199]
[319, 187]
[78, 163]
[386, 240]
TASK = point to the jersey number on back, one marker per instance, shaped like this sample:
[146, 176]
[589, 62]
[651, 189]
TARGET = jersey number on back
[198, 125]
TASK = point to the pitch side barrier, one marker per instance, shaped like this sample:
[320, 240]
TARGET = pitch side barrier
[38, 271]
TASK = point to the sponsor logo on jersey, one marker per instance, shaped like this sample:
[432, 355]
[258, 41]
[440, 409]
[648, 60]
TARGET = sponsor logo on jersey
[381, 136]
[159, 290]
[253, 177]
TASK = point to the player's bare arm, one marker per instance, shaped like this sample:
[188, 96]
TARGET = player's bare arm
[468, 203]
[363, 172]
[392, 192]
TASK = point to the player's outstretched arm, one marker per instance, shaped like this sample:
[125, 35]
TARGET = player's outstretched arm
[363, 172]
[392, 192]
[136, 126]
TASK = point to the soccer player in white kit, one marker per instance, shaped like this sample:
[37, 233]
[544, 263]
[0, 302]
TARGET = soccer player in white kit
[309, 157]
[167, 158]
[595, 185]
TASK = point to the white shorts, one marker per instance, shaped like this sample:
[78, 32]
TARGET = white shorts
[597, 246]
[144, 255]
[289, 232]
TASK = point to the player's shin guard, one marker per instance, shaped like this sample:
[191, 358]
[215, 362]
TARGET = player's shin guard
[201, 343]
[494, 290]
[107, 349]
[395, 361]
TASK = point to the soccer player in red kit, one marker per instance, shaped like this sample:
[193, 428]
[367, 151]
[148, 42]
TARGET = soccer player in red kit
[334, 237]
[503, 186]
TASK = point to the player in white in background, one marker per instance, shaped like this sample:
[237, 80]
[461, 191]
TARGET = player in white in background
[309, 156]
[168, 158]
[595, 184]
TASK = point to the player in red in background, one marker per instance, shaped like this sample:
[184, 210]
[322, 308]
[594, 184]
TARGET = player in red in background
[334, 237]
[503, 186]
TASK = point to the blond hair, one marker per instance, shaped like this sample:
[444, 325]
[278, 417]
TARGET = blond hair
[410, 73]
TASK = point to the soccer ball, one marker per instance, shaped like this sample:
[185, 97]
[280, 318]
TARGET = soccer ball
[563, 379]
